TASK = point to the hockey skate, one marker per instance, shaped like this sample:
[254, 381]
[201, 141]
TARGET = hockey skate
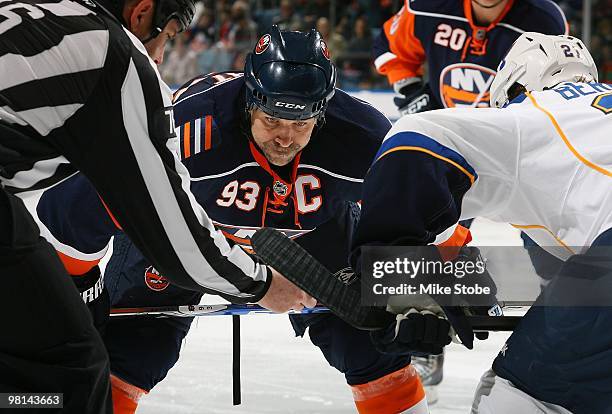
[430, 368]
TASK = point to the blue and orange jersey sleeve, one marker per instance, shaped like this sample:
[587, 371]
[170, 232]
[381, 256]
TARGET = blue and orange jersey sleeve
[398, 53]
[412, 193]
[81, 228]
[197, 135]
[199, 107]
[449, 248]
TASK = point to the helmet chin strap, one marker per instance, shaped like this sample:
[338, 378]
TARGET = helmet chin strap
[487, 7]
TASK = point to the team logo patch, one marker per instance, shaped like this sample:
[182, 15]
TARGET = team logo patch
[280, 188]
[263, 44]
[154, 280]
[465, 84]
[325, 50]
[603, 103]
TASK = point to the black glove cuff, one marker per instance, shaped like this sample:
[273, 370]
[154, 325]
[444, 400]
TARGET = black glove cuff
[413, 89]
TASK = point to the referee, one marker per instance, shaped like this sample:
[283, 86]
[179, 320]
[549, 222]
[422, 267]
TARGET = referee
[78, 92]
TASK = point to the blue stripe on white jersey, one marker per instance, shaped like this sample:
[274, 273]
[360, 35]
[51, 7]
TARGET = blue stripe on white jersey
[413, 141]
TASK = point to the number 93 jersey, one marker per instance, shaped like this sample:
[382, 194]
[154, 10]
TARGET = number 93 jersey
[240, 190]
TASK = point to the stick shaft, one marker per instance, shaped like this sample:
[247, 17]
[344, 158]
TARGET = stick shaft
[479, 323]
[203, 310]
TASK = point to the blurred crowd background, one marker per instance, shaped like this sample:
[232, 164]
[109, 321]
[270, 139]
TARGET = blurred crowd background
[224, 31]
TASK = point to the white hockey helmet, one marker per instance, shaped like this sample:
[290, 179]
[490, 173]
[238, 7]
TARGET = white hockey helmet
[537, 62]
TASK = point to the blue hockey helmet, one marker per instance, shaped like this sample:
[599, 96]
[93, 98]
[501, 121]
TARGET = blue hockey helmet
[289, 75]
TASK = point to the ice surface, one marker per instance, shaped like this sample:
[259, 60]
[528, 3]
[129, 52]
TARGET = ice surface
[282, 374]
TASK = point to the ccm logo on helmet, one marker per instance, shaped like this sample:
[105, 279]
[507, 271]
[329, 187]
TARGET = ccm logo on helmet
[289, 105]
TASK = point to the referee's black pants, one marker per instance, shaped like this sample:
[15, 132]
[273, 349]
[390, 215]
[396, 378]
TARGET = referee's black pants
[47, 340]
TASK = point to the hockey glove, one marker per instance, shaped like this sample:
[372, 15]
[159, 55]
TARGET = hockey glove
[414, 332]
[426, 327]
[415, 97]
[95, 295]
[480, 305]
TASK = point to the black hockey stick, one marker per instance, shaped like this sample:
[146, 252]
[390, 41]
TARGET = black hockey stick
[298, 266]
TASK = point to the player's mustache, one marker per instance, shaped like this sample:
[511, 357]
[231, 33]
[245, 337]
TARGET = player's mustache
[291, 148]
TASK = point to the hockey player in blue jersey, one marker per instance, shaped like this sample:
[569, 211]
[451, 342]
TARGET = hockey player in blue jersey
[461, 42]
[277, 146]
[541, 162]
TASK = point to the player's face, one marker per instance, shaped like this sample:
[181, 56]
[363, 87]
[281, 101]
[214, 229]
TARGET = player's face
[155, 47]
[280, 139]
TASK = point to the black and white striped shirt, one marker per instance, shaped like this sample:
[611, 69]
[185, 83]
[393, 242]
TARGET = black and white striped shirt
[79, 93]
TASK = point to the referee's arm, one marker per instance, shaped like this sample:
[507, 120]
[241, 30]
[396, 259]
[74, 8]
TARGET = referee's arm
[127, 154]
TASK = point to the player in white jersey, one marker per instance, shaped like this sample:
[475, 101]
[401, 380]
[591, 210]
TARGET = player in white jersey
[541, 160]
[523, 166]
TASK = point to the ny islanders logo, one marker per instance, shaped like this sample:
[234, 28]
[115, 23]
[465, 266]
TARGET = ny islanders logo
[263, 44]
[154, 280]
[465, 84]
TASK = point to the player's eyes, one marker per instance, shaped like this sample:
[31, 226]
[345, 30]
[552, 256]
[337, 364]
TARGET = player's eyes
[271, 120]
[300, 124]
